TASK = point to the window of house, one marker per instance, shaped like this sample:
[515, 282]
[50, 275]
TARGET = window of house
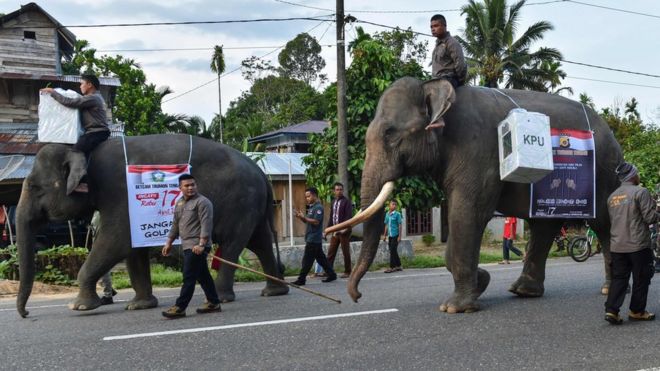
[29, 35]
[419, 222]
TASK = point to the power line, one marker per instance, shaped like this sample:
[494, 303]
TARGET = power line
[314, 18]
[193, 49]
[563, 60]
[610, 69]
[613, 82]
[614, 9]
[399, 11]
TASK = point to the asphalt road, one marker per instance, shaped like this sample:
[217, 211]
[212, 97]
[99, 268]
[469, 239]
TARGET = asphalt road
[396, 326]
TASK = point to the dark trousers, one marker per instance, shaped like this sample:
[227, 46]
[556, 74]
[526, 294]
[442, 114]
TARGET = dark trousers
[343, 239]
[87, 142]
[314, 251]
[196, 269]
[640, 264]
[507, 245]
[393, 243]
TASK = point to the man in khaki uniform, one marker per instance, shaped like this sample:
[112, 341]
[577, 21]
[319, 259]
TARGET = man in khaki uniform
[632, 210]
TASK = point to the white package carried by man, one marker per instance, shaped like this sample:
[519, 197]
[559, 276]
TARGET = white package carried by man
[525, 146]
[58, 123]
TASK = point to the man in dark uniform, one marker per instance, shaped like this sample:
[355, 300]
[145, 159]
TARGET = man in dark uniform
[340, 211]
[92, 114]
[447, 61]
[632, 210]
[193, 222]
[313, 238]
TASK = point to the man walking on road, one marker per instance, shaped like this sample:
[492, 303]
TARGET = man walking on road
[193, 222]
[340, 211]
[313, 238]
[631, 210]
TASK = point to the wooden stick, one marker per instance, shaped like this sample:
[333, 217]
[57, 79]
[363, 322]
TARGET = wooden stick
[274, 278]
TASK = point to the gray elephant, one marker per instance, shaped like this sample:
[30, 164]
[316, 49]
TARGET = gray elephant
[464, 161]
[240, 192]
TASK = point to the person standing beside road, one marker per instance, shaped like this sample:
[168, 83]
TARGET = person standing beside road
[393, 221]
[193, 223]
[631, 210]
[313, 238]
[508, 236]
[340, 211]
[93, 117]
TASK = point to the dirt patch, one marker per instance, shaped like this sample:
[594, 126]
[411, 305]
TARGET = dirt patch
[10, 288]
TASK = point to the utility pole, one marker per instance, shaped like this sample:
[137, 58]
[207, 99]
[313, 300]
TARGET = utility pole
[342, 126]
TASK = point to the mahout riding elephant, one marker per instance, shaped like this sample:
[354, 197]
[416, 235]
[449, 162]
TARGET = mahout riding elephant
[240, 192]
[463, 159]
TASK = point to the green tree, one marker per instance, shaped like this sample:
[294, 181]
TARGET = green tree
[365, 86]
[301, 59]
[137, 103]
[493, 53]
[218, 66]
[271, 103]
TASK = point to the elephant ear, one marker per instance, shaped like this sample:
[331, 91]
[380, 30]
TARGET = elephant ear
[77, 165]
[439, 96]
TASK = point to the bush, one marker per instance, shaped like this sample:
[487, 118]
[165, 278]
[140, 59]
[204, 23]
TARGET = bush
[58, 265]
[428, 239]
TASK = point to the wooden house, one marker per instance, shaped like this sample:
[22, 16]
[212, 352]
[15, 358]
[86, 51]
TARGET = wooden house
[292, 139]
[33, 45]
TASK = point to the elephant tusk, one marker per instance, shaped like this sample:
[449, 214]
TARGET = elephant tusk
[361, 216]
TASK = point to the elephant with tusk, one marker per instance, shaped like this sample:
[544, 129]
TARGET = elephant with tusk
[463, 160]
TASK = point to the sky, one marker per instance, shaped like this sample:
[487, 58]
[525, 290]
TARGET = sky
[582, 32]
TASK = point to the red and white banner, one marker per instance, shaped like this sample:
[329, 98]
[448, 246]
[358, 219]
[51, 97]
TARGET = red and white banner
[152, 194]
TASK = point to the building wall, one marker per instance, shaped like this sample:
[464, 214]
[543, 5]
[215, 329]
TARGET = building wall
[282, 210]
[21, 54]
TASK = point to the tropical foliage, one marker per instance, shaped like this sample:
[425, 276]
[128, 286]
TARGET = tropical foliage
[376, 64]
[495, 56]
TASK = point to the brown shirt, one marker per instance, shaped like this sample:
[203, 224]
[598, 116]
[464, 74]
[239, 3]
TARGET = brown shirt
[92, 110]
[193, 219]
[632, 210]
[448, 60]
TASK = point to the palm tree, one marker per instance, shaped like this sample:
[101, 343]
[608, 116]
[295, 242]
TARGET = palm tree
[218, 66]
[495, 56]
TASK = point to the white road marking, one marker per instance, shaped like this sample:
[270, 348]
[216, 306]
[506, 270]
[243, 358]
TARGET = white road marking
[239, 325]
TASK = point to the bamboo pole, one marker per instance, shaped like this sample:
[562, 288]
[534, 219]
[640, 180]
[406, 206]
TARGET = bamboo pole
[274, 278]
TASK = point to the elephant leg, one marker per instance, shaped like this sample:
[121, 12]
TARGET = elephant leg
[261, 244]
[98, 263]
[224, 282]
[602, 228]
[462, 255]
[530, 282]
[139, 271]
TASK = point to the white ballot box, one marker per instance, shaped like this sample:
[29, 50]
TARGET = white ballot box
[58, 123]
[525, 146]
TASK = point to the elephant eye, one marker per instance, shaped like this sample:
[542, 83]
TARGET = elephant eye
[389, 131]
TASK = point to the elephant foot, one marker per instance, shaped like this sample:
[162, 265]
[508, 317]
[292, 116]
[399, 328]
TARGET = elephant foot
[83, 304]
[137, 304]
[483, 279]
[226, 296]
[459, 304]
[526, 287]
[275, 290]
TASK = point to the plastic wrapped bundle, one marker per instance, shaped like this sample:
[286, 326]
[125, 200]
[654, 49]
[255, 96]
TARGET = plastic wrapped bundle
[58, 123]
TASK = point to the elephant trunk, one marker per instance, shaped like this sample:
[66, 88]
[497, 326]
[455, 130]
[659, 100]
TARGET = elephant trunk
[373, 227]
[26, 227]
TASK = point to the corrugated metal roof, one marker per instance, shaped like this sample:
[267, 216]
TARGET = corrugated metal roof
[104, 80]
[307, 127]
[277, 164]
[16, 167]
[18, 138]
